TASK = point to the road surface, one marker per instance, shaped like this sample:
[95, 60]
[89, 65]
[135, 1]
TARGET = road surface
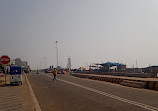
[70, 93]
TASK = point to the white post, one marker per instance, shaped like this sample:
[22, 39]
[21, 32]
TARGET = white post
[5, 70]
[57, 52]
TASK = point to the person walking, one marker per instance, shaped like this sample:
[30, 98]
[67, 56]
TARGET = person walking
[54, 73]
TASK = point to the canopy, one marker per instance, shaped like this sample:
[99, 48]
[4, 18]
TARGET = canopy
[110, 64]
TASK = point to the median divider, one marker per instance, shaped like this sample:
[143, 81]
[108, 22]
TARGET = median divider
[125, 81]
[152, 85]
[156, 86]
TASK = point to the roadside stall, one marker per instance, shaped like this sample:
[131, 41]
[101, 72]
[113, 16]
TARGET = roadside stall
[15, 75]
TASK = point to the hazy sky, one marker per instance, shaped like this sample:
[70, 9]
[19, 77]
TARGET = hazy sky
[88, 31]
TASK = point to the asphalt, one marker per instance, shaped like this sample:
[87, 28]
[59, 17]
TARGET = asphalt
[70, 93]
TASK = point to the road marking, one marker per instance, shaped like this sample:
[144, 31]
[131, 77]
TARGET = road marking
[151, 108]
[37, 107]
[118, 85]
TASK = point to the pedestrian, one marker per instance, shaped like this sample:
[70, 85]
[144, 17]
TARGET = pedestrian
[70, 72]
[89, 70]
[54, 74]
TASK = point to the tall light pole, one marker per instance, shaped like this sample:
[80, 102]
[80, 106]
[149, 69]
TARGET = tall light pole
[45, 63]
[57, 52]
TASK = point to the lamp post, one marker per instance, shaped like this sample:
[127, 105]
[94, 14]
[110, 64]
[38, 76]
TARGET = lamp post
[57, 52]
[45, 63]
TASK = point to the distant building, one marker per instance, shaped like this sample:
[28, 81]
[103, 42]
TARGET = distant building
[151, 69]
[23, 64]
[111, 67]
[134, 70]
[12, 62]
[121, 68]
[154, 69]
[18, 62]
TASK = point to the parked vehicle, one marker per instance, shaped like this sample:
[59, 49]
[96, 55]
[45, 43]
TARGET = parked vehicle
[46, 70]
[15, 75]
[62, 71]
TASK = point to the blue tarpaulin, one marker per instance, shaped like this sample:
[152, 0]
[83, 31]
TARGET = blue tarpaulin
[110, 64]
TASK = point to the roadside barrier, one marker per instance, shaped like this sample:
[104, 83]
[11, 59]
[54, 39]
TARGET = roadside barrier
[153, 85]
[106, 79]
[156, 86]
[132, 83]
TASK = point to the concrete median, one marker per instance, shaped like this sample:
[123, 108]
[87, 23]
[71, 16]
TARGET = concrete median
[147, 83]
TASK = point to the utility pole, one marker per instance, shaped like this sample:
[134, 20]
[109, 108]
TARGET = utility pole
[57, 52]
[45, 63]
[69, 64]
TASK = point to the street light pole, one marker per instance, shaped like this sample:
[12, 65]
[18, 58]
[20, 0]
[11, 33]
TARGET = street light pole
[45, 63]
[57, 52]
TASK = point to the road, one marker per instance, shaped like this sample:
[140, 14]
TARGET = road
[70, 93]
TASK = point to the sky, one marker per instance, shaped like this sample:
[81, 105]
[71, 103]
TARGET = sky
[87, 31]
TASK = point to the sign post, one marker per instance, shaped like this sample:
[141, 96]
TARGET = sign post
[5, 60]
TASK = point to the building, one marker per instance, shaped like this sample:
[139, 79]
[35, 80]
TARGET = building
[23, 64]
[12, 62]
[151, 69]
[18, 62]
[112, 67]
[134, 70]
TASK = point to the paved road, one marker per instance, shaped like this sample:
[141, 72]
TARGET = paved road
[70, 93]
[16, 98]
